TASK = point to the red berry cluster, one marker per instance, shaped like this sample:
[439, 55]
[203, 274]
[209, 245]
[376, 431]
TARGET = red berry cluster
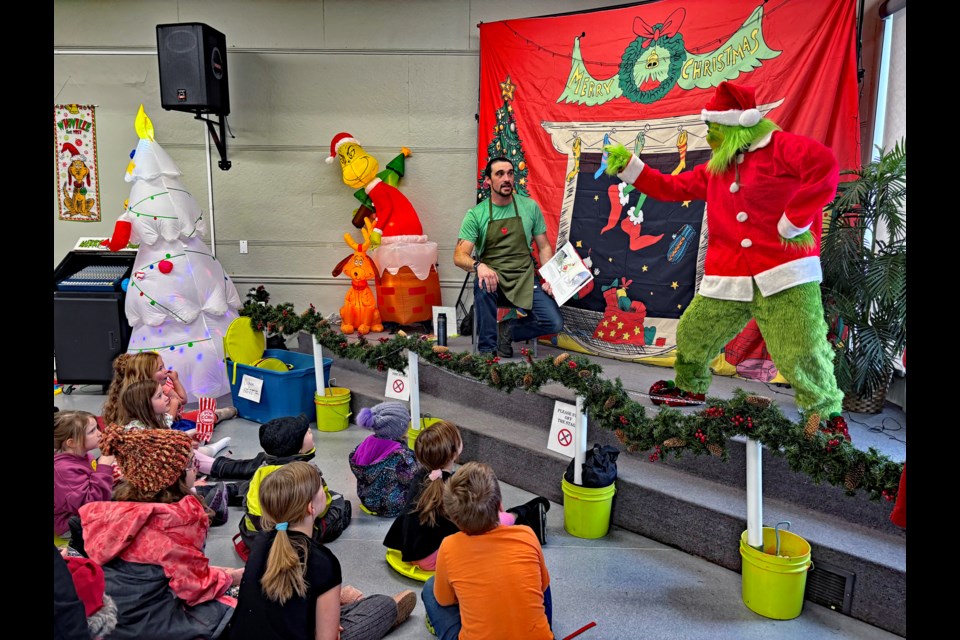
[343, 345]
[382, 339]
[572, 364]
[284, 313]
[380, 365]
[445, 356]
[623, 420]
[657, 454]
[832, 444]
[714, 412]
[259, 326]
[837, 426]
[524, 351]
[888, 495]
[739, 421]
[699, 435]
[493, 360]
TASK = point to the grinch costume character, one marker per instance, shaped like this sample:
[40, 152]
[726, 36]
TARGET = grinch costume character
[765, 191]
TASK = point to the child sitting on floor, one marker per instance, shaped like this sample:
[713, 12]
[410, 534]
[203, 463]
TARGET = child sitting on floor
[418, 532]
[150, 540]
[383, 464]
[491, 580]
[129, 368]
[291, 588]
[285, 440]
[75, 481]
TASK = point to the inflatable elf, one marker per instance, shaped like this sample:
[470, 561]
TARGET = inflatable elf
[765, 191]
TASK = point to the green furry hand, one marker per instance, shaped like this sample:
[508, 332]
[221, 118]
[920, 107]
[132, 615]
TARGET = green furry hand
[617, 158]
[801, 242]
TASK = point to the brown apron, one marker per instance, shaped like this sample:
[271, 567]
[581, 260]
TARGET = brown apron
[505, 250]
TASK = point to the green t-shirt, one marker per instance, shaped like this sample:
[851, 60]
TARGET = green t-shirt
[474, 227]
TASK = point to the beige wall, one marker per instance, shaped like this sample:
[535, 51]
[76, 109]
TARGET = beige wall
[390, 73]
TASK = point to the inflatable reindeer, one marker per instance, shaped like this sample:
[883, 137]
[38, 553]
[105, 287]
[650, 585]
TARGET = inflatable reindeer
[359, 311]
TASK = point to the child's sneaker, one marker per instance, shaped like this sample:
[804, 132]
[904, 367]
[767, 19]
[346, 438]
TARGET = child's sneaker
[429, 625]
[226, 413]
[406, 603]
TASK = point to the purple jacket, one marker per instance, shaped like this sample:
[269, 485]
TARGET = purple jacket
[75, 483]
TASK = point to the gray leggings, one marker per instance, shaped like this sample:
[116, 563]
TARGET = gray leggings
[369, 618]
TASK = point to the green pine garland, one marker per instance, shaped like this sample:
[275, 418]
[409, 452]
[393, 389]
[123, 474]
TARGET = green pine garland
[823, 456]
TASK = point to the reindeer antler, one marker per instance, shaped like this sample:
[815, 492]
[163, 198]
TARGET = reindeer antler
[351, 242]
[366, 230]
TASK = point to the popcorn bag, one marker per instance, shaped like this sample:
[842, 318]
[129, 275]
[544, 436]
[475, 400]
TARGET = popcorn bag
[205, 419]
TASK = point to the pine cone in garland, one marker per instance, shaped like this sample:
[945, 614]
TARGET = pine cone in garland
[527, 380]
[673, 443]
[494, 375]
[465, 357]
[440, 349]
[584, 374]
[854, 476]
[610, 403]
[621, 436]
[560, 358]
[715, 450]
[813, 425]
[759, 401]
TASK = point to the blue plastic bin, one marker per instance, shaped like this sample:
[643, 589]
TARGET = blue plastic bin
[284, 393]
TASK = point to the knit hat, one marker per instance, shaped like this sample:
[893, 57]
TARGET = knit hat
[339, 139]
[387, 420]
[284, 436]
[151, 459]
[732, 105]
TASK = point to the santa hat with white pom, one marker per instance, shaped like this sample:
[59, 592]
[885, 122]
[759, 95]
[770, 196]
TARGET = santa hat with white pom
[339, 139]
[732, 105]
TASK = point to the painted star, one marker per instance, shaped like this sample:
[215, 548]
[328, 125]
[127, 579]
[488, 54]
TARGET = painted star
[579, 244]
[679, 306]
[626, 336]
[506, 89]
[605, 323]
[674, 284]
[614, 318]
[609, 259]
[619, 325]
[645, 268]
[686, 203]
[522, 181]
[596, 198]
[636, 331]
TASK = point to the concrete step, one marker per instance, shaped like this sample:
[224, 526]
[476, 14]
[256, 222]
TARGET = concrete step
[696, 504]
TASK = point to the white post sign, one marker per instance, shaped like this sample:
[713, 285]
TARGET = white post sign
[563, 429]
[398, 386]
[250, 388]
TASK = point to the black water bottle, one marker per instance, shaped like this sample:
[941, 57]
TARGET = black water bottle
[442, 329]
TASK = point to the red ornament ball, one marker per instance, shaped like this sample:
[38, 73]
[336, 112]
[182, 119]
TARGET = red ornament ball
[165, 266]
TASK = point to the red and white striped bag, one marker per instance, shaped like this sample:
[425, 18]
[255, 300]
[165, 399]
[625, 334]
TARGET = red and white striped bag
[205, 419]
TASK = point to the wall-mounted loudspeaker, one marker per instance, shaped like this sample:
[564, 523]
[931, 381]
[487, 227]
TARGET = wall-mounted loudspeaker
[193, 68]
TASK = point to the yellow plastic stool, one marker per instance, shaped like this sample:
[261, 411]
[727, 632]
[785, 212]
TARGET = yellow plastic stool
[405, 568]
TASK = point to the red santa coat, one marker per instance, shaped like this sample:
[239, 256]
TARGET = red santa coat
[776, 189]
[395, 215]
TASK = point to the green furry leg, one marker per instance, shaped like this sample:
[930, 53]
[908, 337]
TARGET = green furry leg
[704, 328]
[796, 334]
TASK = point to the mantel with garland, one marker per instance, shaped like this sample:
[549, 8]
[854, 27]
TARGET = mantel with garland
[807, 446]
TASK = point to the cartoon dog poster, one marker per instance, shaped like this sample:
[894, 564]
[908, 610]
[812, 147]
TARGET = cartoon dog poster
[75, 139]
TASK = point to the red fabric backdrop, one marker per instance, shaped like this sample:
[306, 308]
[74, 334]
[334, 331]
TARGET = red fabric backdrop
[561, 86]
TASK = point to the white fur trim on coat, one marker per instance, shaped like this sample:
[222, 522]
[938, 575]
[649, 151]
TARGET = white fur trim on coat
[732, 117]
[789, 274]
[786, 228]
[371, 185]
[632, 171]
[739, 288]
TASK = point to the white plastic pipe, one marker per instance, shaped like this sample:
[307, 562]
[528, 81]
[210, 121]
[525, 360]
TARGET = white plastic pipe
[580, 440]
[754, 495]
[318, 366]
[413, 379]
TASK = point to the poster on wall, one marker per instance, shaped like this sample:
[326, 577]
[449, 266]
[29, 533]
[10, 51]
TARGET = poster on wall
[75, 153]
[555, 89]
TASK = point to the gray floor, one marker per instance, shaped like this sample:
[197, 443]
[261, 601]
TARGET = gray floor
[632, 587]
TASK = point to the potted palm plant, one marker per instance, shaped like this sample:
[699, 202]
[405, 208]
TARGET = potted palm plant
[864, 259]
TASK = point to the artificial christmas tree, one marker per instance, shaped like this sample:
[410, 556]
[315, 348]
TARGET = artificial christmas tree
[179, 300]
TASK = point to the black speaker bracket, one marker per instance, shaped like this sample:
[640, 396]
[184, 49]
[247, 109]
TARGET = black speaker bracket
[219, 140]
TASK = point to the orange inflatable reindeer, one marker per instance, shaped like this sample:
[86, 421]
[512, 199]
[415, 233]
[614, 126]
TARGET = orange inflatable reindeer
[359, 312]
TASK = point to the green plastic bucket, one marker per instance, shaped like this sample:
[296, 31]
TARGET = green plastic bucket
[425, 423]
[333, 409]
[773, 585]
[586, 511]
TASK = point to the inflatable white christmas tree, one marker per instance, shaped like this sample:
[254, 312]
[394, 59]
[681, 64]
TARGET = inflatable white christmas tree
[179, 300]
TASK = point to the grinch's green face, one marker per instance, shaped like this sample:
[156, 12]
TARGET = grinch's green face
[714, 135]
